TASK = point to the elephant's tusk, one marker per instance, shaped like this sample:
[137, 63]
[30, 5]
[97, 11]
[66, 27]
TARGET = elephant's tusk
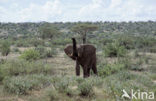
[70, 54]
[79, 55]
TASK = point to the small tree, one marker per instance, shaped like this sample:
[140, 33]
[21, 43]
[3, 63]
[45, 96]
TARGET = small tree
[83, 30]
[48, 31]
[30, 55]
[5, 48]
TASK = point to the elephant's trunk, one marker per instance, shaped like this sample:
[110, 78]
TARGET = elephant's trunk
[75, 53]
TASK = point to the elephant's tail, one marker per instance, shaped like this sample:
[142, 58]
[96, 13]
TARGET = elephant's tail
[75, 53]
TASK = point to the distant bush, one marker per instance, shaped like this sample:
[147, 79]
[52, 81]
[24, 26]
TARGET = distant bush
[44, 52]
[41, 50]
[127, 41]
[22, 43]
[152, 49]
[142, 42]
[114, 50]
[108, 69]
[30, 55]
[85, 88]
[22, 84]
[5, 48]
[35, 42]
[61, 41]
[49, 53]
[53, 50]
[15, 49]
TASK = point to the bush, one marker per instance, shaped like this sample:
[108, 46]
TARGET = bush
[22, 43]
[5, 48]
[41, 51]
[62, 85]
[152, 49]
[108, 69]
[22, 84]
[21, 67]
[44, 52]
[30, 55]
[15, 49]
[114, 50]
[36, 42]
[114, 84]
[127, 41]
[49, 53]
[61, 41]
[85, 88]
[52, 94]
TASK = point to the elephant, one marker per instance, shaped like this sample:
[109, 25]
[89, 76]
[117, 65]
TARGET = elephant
[84, 55]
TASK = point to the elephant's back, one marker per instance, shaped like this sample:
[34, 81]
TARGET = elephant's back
[89, 49]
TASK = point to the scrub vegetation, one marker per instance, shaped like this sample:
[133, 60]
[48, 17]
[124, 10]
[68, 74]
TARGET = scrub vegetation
[34, 67]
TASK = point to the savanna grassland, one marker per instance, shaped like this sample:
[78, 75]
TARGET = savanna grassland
[34, 67]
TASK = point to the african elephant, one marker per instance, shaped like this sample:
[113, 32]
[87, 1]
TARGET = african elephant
[84, 55]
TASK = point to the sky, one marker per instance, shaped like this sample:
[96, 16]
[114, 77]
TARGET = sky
[77, 10]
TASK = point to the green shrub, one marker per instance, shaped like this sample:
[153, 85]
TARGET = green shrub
[22, 84]
[79, 80]
[108, 69]
[69, 92]
[44, 52]
[17, 85]
[85, 88]
[15, 49]
[50, 53]
[61, 41]
[127, 41]
[62, 85]
[36, 42]
[96, 81]
[114, 50]
[30, 55]
[22, 43]
[53, 50]
[137, 67]
[152, 49]
[52, 94]
[114, 84]
[21, 67]
[41, 51]
[5, 48]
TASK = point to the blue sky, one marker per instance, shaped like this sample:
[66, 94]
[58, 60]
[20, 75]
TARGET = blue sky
[77, 10]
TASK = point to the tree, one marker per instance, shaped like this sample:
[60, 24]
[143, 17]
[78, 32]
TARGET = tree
[48, 31]
[83, 30]
[5, 48]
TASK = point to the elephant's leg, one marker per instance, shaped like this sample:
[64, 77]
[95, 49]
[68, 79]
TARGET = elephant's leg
[94, 69]
[88, 72]
[85, 74]
[77, 68]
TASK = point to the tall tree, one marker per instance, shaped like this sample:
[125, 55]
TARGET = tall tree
[83, 29]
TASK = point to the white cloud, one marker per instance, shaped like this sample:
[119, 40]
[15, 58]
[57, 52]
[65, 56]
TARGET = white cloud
[96, 10]
[4, 1]
[34, 12]
[118, 10]
[41, 13]
[115, 3]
